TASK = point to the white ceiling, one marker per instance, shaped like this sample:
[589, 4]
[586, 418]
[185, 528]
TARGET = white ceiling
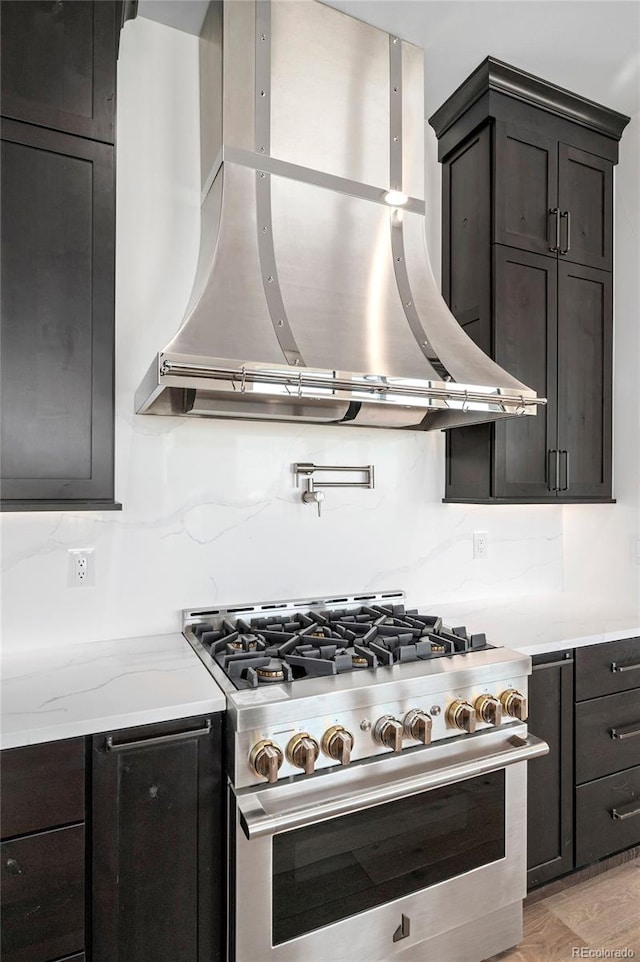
[589, 46]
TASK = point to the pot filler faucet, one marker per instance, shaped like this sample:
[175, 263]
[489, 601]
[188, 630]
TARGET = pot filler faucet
[312, 494]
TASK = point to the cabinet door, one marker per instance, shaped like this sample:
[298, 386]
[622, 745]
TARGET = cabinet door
[57, 316]
[525, 189]
[158, 843]
[550, 778]
[585, 335]
[59, 65]
[525, 338]
[607, 816]
[42, 880]
[585, 197]
[42, 786]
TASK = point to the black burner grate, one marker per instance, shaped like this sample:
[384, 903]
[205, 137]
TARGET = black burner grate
[329, 642]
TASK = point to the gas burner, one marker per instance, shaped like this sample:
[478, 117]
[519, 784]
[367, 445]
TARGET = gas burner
[329, 641]
[274, 671]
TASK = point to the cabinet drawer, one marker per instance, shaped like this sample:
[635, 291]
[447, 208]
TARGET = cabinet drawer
[607, 816]
[42, 786]
[43, 896]
[608, 668]
[607, 735]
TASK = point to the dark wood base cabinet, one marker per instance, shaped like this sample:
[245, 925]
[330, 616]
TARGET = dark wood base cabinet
[607, 749]
[593, 731]
[43, 852]
[158, 843]
[138, 877]
[550, 778]
[527, 256]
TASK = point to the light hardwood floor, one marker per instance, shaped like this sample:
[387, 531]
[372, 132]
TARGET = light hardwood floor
[600, 913]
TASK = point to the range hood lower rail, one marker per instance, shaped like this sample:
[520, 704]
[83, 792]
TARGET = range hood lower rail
[310, 383]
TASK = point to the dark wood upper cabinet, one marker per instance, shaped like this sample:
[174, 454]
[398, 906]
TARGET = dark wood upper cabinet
[526, 269]
[58, 266]
[585, 199]
[525, 189]
[57, 316]
[585, 304]
[58, 65]
[526, 330]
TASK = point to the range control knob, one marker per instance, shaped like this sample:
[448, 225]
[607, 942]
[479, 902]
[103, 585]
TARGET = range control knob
[514, 703]
[337, 743]
[417, 725]
[489, 709]
[389, 731]
[462, 715]
[265, 760]
[303, 751]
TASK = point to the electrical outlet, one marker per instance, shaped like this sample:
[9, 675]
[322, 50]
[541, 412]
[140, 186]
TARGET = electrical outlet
[480, 544]
[80, 568]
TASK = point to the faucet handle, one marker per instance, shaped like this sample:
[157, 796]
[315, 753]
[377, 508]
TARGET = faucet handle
[314, 497]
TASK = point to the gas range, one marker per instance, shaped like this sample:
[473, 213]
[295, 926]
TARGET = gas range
[315, 685]
[376, 781]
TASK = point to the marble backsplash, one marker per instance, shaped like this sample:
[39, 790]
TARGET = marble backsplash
[210, 511]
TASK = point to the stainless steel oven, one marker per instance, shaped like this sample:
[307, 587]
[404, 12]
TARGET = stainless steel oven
[383, 861]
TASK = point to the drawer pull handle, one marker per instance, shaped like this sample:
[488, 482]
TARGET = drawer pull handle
[110, 746]
[13, 867]
[627, 811]
[627, 666]
[629, 731]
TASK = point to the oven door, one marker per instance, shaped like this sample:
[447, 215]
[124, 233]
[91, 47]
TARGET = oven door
[370, 862]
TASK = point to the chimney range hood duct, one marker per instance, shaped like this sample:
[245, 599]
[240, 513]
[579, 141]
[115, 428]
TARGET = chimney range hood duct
[313, 298]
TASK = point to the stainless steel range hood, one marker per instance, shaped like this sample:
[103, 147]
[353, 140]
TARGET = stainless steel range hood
[313, 298]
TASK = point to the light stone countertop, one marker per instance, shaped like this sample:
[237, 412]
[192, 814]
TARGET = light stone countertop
[537, 624]
[53, 693]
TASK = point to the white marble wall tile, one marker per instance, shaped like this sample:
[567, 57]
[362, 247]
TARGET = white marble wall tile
[210, 512]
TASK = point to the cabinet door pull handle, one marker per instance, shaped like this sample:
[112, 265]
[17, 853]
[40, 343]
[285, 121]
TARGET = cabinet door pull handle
[566, 214]
[627, 666]
[13, 867]
[553, 458]
[111, 746]
[628, 731]
[626, 811]
[555, 212]
[565, 486]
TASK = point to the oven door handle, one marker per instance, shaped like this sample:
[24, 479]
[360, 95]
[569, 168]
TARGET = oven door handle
[256, 821]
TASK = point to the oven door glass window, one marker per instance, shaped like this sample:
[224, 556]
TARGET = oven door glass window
[335, 869]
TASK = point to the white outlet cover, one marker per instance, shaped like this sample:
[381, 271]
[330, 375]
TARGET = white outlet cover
[81, 568]
[480, 544]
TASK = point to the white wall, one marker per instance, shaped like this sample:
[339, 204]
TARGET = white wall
[210, 512]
